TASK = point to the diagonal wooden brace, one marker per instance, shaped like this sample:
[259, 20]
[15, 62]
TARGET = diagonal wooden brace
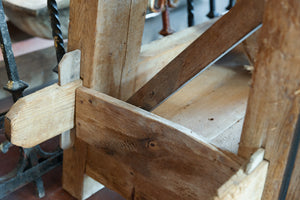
[218, 40]
[52, 109]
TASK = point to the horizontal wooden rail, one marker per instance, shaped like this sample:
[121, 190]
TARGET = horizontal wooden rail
[155, 157]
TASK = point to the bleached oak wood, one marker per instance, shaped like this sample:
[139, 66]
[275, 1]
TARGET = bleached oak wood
[242, 186]
[210, 103]
[225, 33]
[274, 101]
[69, 68]
[67, 139]
[154, 156]
[255, 160]
[31, 119]
[68, 71]
[109, 36]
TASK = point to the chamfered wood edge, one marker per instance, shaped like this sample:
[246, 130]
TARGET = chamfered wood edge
[18, 125]
[245, 186]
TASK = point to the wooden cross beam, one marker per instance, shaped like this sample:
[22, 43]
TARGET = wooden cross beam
[186, 65]
[143, 156]
[218, 40]
[109, 54]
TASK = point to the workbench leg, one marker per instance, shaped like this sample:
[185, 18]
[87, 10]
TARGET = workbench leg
[272, 118]
[75, 181]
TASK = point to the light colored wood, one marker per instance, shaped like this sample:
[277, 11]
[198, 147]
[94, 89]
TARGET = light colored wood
[69, 68]
[68, 71]
[157, 54]
[229, 139]
[243, 186]
[109, 35]
[225, 33]
[274, 101]
[154, 156]
[67, 139]
[211, 103]
[110, 41]
[255, 160]
[294, 188]
[31, 119]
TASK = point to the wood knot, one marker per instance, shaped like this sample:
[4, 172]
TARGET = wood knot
[152, 145]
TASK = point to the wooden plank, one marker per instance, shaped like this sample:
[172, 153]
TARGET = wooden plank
[68, 71]
[225, 33]
[69, 68]
[154, 156]
[31, 119]
[255, 160]
[210, 103]
[109, 36]
[109, 44]
[274, 101]
[243, 186]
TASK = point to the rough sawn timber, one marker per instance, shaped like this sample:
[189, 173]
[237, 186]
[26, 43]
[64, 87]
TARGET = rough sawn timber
[32, 118]
[221, 36]
[110, 42]
[274, 101]
[143, 156]
[243, 186]
[109, 35]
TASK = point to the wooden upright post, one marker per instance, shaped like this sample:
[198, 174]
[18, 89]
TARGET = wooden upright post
[109, 35]
[274, 102]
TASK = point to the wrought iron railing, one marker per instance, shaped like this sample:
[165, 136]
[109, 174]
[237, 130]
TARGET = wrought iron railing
[33, 162]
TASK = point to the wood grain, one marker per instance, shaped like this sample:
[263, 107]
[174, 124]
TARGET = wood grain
[31, 119]
[68, 71]
[274, 101]
[243, 186]
[110, 42]
[69, 68]
[155, 157]
[109, 35]
[210, 103]
[226, 32]
[157, 54]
